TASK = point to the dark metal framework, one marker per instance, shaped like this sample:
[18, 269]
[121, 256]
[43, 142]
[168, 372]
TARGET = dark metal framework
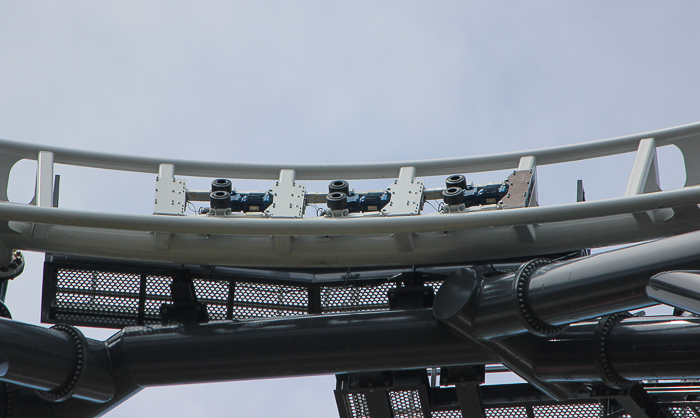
[560, 322]
[410, 394]
[109, 294]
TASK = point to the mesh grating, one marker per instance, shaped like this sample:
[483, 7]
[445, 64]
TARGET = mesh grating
[355, 298]
[509, 412]
[252, 300]
[358, 405]
[435, 285]
[684, 412]
[97, 297]
[406, 404]
[589, 410]
[157, 293]
[215, 295]
[94, 291]
[446, 414]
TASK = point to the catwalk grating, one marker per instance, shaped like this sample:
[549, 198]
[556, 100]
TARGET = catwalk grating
[114, 296]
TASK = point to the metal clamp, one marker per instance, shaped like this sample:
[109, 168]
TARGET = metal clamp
[606, 371]
[70, 386]
[520, 298]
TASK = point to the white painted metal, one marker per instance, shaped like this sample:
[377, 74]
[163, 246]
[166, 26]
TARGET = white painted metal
[287, 197]
[530, 163]
[170, 192]
[284, 239]
[350, 225]
[685, 137]
[406, 194]
[43, 196]
[645, 171]
[44, 179]
[378, 249]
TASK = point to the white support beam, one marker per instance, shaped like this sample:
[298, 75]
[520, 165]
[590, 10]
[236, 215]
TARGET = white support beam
[529, 162]
[43, 195]
[287, 197]
[406, 194]
[644, 178]
[169, 193]
[645, 171]
[44, 179]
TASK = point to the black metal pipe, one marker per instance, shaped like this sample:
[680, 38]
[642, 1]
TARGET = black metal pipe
[666, 347]
[37, 357]
[557, 294]
[680, 289]
[51, 361]
[311, 345]
[455, 308]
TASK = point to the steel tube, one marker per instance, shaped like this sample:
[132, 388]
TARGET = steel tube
[355, 225]
[36, 357]
[326, 171]
[680, 289]
[45, 359]
[485, 243]
[608, 282]
[576, 290]
[311, 345]
[637, 348]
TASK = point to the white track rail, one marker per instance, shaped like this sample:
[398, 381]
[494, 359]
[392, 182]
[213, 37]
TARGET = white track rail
[643, 213]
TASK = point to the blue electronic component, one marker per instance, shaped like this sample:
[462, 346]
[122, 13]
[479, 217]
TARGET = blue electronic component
[371, 202]
[250, 202]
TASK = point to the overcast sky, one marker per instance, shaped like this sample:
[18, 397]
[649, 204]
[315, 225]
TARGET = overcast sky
[332, 82]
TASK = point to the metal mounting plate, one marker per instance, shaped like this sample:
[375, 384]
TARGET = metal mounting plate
[170, 192]
[406, 194]
[287, 197]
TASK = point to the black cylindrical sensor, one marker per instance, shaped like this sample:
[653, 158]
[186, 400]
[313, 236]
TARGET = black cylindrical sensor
[221, 184]
[337, 200]
[220, 199]
[341, 186]
[456, 180]
[453, 196]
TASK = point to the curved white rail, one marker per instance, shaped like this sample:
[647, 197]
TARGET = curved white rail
[331, 171]
[643, 213]
[352, 226]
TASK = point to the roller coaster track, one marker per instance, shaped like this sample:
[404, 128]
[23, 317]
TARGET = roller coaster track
[375, 288]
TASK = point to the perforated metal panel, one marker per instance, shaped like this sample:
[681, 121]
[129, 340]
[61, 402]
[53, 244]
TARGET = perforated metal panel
[684, 412]
[358, 405]
[157, 293]
[509, 412]
[406, 404]
[355, 298]
[588, 410]
[253, 300]
[446, 414]
[114, 296]
[80, 291]
[215, 295]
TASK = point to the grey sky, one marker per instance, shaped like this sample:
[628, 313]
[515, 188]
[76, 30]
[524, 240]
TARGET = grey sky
[332, 82]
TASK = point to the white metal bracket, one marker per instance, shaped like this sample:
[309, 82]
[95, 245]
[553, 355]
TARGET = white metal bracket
[44, 189]
[287, 197]
[645, 171]
[406, 194]
[644, 178]
[170, 192]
